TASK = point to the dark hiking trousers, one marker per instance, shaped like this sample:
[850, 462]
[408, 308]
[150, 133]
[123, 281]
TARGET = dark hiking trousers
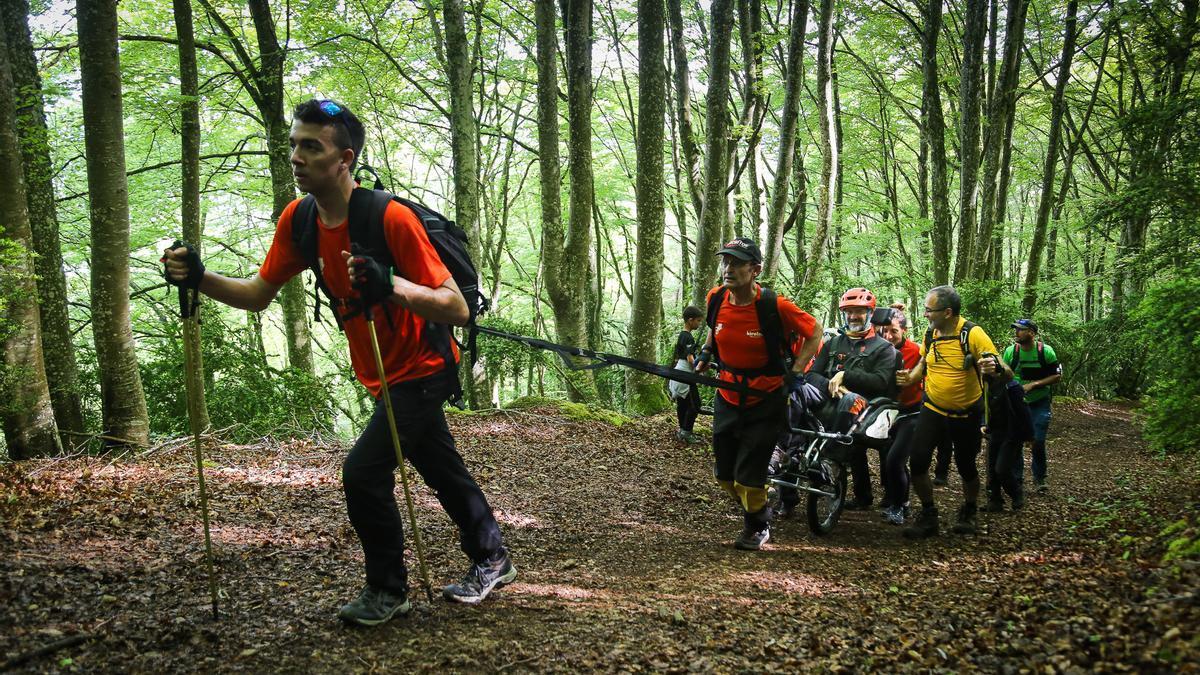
[962, 433]
[369, 481]
[687, 408]
[1005, 460]
[895, 466]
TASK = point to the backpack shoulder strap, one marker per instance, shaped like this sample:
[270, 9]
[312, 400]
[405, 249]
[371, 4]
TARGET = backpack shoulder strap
[964, 336]
[1012, 356]
[771, 325]
[304, 229]
[1041, 353]
[714, 307]
[367, 208]
[928, 338]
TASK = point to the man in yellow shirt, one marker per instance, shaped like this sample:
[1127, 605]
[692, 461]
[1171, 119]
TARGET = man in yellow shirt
[955, 355]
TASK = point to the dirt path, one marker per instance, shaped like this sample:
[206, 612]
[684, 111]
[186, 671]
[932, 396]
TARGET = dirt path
[624, 549]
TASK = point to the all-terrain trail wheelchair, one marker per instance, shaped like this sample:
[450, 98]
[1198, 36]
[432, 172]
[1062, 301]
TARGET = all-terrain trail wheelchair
[815, 461]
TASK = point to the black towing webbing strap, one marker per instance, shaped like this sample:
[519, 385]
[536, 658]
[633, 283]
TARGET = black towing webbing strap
[604, 360]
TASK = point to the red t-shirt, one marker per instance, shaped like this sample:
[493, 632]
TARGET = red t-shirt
[910, 396]
[740, 340]
[406, 354]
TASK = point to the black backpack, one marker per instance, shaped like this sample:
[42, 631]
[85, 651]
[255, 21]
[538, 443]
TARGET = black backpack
[963, 339]
[779, 352]
[366, 211]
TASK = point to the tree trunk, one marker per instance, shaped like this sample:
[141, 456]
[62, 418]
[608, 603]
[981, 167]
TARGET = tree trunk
[565, 252]
[25, 410]
[645, 392]
[934, 134]
[1057, 105]
[829, 154]
[969, 100]
[750, 32]
[713, 215]
[999, 123]
[269, 81]
[777, 214]
[190, 208]
[683, 108]
[57, 349]
[122, 399]
[464, 138]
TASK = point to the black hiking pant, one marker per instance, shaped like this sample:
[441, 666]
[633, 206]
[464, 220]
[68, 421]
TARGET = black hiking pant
[1005, 460]
[895, 465]
[962, 434]
[687, 408]
[369, 481]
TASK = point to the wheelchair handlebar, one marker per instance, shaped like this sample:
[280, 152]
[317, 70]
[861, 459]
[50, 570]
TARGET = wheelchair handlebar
[844, 439]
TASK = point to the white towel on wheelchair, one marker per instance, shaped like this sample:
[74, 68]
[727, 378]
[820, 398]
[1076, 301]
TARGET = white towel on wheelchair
[881, 426]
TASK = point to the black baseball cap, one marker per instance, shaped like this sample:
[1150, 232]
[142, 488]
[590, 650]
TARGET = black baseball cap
[742, 248]
[1027, 324]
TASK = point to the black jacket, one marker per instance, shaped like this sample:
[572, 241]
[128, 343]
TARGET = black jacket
[870, 364]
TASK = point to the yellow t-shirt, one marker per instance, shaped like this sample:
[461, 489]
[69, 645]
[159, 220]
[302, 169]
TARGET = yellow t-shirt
[947, 386]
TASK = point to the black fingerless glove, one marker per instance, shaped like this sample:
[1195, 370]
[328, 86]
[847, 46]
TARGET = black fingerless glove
[372, 279]
[195, 267]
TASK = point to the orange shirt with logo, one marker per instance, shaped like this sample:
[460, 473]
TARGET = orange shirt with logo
[407, 354]
[741, 345]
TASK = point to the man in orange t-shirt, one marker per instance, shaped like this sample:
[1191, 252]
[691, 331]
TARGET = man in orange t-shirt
[326, 140]
[745, 431]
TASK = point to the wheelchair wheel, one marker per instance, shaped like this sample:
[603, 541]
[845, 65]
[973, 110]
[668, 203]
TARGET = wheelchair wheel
[823, 512]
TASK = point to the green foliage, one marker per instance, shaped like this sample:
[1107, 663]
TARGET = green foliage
[1168, 325]
[242, 392]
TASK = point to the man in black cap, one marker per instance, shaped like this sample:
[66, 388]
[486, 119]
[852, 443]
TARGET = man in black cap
[1037, 368]
[760, 339]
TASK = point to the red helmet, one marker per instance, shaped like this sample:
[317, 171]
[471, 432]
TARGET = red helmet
[857, 297]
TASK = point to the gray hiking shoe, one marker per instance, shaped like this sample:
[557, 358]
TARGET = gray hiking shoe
[752, 540]
[893, 515]
[481, 579]
[373, 606]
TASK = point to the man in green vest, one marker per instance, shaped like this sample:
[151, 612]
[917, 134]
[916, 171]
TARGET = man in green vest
[1037, 368]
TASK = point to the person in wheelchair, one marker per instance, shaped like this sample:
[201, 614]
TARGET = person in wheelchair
[852, 368]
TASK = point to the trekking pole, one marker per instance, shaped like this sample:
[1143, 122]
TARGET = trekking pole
[189, 302]
[391, 418]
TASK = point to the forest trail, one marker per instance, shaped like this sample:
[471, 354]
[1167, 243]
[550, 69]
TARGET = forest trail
[624, 548]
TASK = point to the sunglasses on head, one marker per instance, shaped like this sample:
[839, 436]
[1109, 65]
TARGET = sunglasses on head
[330, 108]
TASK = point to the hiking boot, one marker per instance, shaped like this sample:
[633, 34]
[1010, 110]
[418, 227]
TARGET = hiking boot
[926, 524]
[752, 540]
[756, 532]
[894, 515]
[681, 436]
[1018, 502]
[940, 479]
[786, 510]
[995, 505]
[965, 523]
[1042, 488]
[374, 606]
[495, 572]
[858, 505]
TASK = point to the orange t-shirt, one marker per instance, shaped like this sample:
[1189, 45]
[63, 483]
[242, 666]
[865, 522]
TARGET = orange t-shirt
[407, 355]
[740, 340]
